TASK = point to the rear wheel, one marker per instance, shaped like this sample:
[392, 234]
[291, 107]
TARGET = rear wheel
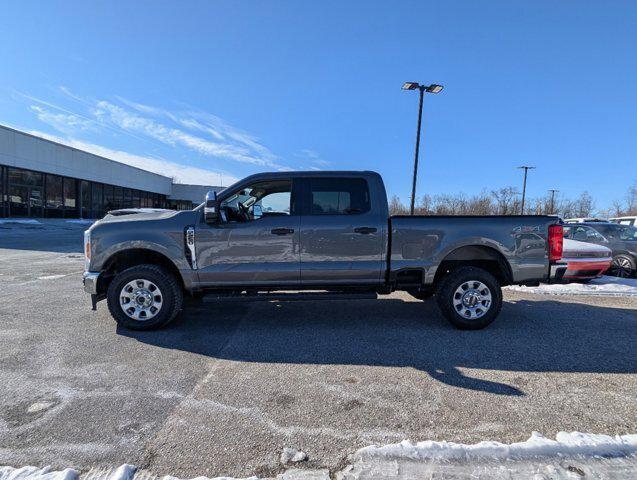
[622, 266]
[470, 298]
[144, 297]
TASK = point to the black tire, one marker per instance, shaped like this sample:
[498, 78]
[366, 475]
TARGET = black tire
[623, 266]
[171, 296]
[456, 279]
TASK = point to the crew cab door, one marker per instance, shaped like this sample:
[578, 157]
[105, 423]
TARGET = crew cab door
[341, 233]
[255, 242]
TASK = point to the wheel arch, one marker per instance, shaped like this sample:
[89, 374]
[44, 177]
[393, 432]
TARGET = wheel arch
[480, 256]
[131, 257]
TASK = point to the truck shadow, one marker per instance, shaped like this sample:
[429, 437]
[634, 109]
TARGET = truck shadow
[529, 336]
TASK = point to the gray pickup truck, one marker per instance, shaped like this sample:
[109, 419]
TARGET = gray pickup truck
[323, 234]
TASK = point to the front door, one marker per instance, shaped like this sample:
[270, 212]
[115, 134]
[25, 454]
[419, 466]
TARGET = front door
[256, 241]
[341, 234]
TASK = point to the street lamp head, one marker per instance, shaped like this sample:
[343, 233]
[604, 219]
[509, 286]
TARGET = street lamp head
[410, 86]
[433, 88]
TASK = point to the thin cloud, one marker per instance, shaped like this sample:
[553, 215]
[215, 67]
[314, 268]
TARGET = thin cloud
[180, 173]
[243, 148]
[314, 158]
[63, 122]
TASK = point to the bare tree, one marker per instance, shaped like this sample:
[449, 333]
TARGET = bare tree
[505, 199]
[396, 207]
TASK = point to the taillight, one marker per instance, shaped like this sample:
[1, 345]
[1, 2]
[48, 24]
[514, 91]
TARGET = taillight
[556, 242]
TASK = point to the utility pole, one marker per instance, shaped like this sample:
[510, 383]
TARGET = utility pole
[526, 171]
[553, 191]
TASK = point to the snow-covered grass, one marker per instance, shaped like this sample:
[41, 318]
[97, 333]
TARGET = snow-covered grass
[565, 444]
[606, 285]
[28, 221]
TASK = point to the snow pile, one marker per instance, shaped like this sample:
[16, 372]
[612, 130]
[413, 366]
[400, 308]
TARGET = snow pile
[292, 455]
[608, 286]
[34, 473]
[123, 472]
[81, 221]
[565, 444]
[28, 221]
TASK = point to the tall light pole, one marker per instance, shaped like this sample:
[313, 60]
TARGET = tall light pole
[433, 88]
[553, 191]
[526, 171]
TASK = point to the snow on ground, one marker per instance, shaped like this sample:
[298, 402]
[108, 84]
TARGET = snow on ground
[124, 472]
[30, 221]
[81, 221]
[570, 455]
[606, 285]
[565, 444]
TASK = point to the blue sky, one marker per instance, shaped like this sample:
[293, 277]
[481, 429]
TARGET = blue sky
[219, 89]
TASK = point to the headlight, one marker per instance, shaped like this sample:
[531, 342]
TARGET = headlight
[87, 249]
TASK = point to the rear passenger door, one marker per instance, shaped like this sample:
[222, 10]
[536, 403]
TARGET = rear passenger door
[341, 234]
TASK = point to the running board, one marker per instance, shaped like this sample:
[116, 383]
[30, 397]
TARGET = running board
[288, 296]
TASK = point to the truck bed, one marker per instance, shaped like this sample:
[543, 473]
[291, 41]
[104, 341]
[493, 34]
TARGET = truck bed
[424, 242]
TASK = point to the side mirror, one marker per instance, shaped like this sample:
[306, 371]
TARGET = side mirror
[211, 208]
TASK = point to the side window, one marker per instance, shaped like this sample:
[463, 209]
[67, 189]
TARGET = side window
[338, 196]
[580, 234]
[263, 199]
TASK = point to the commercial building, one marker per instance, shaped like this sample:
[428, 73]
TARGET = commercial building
[41, 178]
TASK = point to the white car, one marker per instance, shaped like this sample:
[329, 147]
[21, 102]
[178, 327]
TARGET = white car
[629, 220]
[584, 260]
[584, 219]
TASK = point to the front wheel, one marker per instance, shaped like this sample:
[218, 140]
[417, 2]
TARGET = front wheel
[144, 297]
[470, 298]
[623, 266]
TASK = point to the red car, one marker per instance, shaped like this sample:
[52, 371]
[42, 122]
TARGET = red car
[585, 261]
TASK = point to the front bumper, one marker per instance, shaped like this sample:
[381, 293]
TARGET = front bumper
[90, 282]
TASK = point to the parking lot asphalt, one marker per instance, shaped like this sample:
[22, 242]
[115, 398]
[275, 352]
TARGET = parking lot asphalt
[227, 386]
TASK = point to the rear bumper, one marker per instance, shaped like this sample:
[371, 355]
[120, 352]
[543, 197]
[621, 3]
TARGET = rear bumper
[587, 268]
[557, 272]
[90, 282]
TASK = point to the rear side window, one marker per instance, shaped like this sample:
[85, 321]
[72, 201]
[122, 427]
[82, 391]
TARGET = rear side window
[339, 196]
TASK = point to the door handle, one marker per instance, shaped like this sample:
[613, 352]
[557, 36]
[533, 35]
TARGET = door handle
[282, 231]
[365, 230]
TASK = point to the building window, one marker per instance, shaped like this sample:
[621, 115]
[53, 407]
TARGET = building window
[119, 197]
[136, 199]
[25, 193]
[3, 197]
[97, 201]
[109, 199]
[126, 198]
[70, 198]
[54, 196]
[18, 176]
[85, 199]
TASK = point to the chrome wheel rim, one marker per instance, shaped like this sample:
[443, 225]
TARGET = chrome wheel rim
[472, 299]
[141, 299]
[621, 267]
